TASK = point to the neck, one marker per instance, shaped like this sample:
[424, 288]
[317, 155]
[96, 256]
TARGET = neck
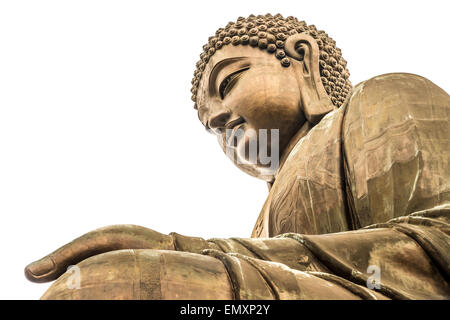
[292, 143]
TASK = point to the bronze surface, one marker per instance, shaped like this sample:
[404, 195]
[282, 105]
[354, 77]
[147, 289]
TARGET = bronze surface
[363, 182]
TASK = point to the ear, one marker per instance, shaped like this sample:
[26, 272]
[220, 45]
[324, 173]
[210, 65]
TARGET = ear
[316, 102]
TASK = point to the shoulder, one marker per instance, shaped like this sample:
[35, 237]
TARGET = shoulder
[395, 138]
[397, 77]
[392, 88]
[394, 100]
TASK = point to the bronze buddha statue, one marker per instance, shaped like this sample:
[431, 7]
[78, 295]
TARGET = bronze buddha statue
[361, 186]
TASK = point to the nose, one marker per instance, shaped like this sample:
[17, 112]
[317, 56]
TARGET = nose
[217, 120]
[214, 115]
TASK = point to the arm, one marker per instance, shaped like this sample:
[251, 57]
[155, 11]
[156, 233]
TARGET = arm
[408, 254]
[104, 240]
[118, 237]
[404, 258]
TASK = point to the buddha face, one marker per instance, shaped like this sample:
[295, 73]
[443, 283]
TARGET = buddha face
[245, 92]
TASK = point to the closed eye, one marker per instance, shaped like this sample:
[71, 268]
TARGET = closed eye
[227, 84]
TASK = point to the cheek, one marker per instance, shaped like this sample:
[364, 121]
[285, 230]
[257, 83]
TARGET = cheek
[267, 100]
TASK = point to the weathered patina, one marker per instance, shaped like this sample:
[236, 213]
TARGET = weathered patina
[362, 187]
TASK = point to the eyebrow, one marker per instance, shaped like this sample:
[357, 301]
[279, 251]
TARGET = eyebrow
[218, 66]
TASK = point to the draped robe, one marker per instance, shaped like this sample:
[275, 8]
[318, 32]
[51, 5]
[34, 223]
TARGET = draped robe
[381, 161]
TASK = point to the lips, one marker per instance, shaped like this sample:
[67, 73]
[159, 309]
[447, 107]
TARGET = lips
[232, 128]
[233, 123]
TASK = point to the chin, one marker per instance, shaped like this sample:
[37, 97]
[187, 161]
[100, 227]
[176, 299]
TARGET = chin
[245, 154]
[264, 173]
[258, 168]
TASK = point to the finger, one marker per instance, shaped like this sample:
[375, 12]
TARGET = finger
[93, 243]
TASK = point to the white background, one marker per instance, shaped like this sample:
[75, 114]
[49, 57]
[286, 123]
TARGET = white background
[97, 126]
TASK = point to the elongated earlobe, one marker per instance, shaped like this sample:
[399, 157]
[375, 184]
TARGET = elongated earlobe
[316, 110]
[316, 102]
